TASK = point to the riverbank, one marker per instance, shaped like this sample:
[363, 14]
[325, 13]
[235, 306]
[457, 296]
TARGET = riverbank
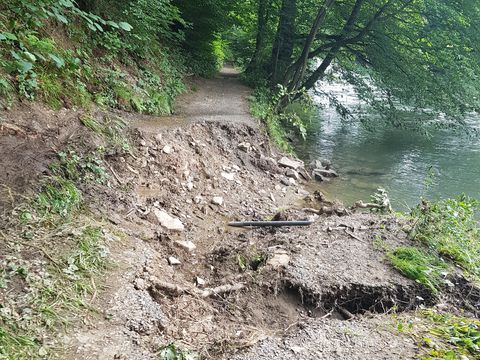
[175, 273]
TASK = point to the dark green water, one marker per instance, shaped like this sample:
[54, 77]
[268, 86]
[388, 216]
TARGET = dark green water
[408, 164]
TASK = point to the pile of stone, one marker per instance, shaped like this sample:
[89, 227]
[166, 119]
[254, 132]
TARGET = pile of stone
[321, 170]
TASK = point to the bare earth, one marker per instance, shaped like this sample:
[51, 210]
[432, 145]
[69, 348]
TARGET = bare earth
[323, 291]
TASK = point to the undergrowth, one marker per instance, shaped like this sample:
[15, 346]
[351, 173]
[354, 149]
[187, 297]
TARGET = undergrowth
[447, 234]
[53, 256]
[279, 121]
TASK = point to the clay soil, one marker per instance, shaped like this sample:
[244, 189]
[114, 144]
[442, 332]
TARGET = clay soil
[323, 291]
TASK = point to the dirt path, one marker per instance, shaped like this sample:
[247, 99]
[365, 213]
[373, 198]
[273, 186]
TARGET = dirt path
[299, 292]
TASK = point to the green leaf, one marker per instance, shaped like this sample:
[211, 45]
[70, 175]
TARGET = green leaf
[24, 66]
[8, 36]
[113, 24]
[59, 61]
[125, 26]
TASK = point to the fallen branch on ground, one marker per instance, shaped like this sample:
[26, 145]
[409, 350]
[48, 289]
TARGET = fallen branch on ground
[176, 290]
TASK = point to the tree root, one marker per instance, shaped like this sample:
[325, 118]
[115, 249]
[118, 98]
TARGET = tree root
[176, 290]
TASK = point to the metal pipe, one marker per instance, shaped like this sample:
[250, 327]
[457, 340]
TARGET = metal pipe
[269, 223]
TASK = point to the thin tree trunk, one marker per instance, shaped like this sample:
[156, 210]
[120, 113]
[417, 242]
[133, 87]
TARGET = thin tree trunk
[347, 29]
[301, 64]
[262, 18]
[284, 40]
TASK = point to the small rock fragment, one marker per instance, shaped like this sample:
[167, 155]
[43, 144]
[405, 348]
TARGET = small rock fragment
[173, 261]
[200, 282]
[292, 174]
[167, 149]
[187, 245]
[140, 284]
[244, 146]
[217, 200]
[158, 137]
[279, 259]
[228, 176]
[167, 221]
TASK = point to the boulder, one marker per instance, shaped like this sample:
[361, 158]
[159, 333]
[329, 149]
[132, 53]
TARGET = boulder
[292, 174]
[326, 173]
[290, 163]
[167, 221]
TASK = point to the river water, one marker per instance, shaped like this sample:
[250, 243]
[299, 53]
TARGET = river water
[408, 164]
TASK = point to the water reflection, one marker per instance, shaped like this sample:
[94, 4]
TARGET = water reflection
[408, 164]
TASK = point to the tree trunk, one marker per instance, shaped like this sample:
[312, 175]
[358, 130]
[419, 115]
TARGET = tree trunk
[347, 29]
[300, 65]
[262, 18]
[284, 40]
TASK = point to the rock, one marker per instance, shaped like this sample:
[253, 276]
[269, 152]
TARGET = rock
[326, 173]
[217, 200]
[143, 143]
[280, 259]
[167, 221]
[197, 199]
[187, 245]
[290, 163]
[200, 282]
[158, 138]
[228, 176]
[292, 174]
[189, 186]
[316, 164]
[319, 177]
[173, 261]
[285, 181]
[244, 146]
[140, 284]
[167, 149]
[304, 174]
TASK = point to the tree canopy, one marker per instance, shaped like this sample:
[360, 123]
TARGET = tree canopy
[399, 54]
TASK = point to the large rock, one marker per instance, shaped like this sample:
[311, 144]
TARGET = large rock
[326, 173]
[290, 163]
[167, 221]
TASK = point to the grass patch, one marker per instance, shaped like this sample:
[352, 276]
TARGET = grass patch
[449, 228]
[420, 266]
[111, 128]
[172, 352]
[59, 196]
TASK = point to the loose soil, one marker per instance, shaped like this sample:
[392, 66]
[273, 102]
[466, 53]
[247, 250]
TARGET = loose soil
[332, 299]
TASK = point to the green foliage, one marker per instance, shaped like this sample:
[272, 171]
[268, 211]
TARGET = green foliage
[171, 352]
[460, 337]
[88, 168]
[420, 266]
[59, 196]
[450, 229]
[112, 129]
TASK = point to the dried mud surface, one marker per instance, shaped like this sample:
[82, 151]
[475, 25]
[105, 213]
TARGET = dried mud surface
[329, 297]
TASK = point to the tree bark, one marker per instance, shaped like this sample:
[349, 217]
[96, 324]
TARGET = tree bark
[300, 65]
[262, 18]
[284, 40]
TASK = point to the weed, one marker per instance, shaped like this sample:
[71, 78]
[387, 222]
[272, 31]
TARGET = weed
[172, 352]
[449, 228]
[457, 337]
[84, 168]
[420, 266]
[59, 196]
[110, 128]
